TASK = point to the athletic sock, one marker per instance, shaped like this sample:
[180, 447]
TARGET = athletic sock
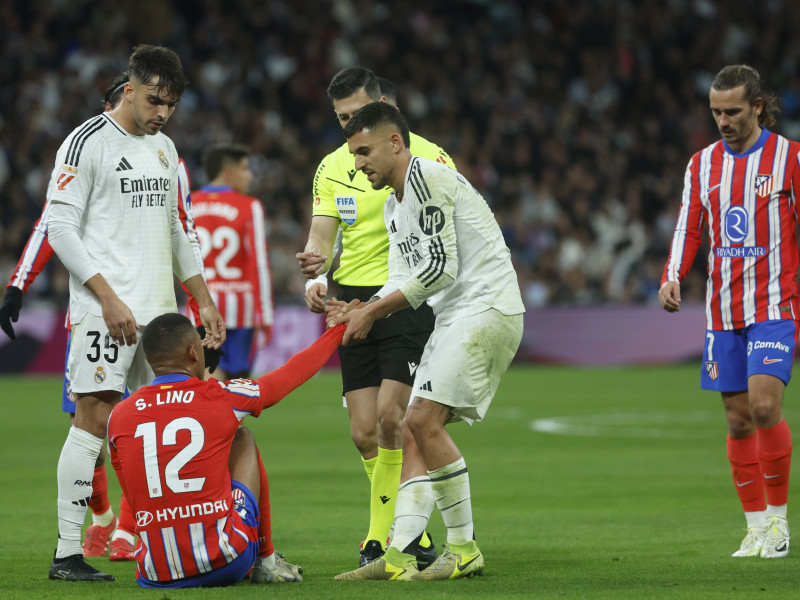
[383, 493]
[103, 519]
[99, 501]
[369, 466]
[743, 456]
[126, 526]
[755, 518]
[265, 547]
[413, 509]
[775, 511]
[74, 476]
[775, 458]
[451, 489]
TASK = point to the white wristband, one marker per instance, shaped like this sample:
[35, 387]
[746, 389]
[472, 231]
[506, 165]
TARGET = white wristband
[321, 279]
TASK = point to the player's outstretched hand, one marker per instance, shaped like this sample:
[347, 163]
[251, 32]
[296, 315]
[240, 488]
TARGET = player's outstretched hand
[120, 321]
[9, 310]
[212, 356]
[312, 264]
[214, 325]
[670, 296]
[315, 297]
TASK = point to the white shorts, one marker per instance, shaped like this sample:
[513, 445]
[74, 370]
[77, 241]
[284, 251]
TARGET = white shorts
[97, 364]
[464, 360]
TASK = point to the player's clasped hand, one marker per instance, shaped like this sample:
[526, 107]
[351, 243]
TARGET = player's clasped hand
[670, 296]
[311, 263]
[315, 297]
[214, 326]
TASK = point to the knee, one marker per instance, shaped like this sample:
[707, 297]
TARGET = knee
[244, 437]
[766, 412]
[364, 437]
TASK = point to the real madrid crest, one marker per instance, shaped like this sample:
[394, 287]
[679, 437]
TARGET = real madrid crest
[99, 375]
[162, 158]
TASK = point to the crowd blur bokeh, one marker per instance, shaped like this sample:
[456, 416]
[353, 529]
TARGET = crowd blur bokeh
[575, 120]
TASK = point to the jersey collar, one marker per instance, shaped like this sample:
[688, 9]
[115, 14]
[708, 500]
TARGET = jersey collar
[171, 378]
[762, 139]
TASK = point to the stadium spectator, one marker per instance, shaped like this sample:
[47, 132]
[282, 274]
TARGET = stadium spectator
[742, 188]
[378, 371]
[100, 202]
[233, 240]
[219, 462]
[444, 249]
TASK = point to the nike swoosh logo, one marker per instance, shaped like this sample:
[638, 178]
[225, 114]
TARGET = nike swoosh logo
[466, 564]
[771, 476]
[783, 547]
[743, 484]
[711, 189]
[769, 361]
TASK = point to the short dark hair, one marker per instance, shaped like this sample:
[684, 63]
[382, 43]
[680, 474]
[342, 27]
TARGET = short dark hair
[348, 81]
[388, 90]
[115, 88]
[219, 157]
[734, 76]
[373, 115]
[166, 334]
[149, 61]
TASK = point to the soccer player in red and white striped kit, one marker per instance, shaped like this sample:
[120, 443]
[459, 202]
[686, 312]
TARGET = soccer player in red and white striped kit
[743, 189]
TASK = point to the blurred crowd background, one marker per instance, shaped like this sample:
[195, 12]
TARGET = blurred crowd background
[574, 119]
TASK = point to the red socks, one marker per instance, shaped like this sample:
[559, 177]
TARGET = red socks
[265, 547]
[775, 458]
[99, 500]
[126, 520]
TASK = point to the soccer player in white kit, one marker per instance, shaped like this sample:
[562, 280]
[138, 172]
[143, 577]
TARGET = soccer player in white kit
[114, 224]
[445, 248]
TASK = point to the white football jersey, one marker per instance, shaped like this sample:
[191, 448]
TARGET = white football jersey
[127, 190]
[445, 246]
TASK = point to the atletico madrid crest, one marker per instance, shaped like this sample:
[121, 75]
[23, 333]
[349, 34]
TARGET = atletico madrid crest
[763, 185]
[711, 369]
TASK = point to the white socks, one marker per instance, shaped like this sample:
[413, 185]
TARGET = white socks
[75, 471]
[451, 490]
[412, 509]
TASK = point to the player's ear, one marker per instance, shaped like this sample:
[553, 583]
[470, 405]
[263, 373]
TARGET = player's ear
[192, 354]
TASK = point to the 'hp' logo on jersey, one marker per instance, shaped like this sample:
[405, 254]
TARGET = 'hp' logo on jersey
[737, 224]
[431, 220]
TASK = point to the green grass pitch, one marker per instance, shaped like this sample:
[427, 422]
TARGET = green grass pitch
[585, 484]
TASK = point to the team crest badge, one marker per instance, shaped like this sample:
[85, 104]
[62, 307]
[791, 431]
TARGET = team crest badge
[99, 375]
[711, 369]
[238, 497]
[763, 185]
[162, 158]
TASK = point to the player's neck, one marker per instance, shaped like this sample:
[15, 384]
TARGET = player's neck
[400, 176]
[122, 115]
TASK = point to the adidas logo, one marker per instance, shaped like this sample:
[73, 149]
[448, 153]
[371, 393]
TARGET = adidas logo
[426, 386]
[82, 502]
[124, 165]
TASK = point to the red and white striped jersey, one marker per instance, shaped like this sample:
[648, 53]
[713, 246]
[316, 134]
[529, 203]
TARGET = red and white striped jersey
[748, 203]
[234, 244]
[169, 445]
[38, 251]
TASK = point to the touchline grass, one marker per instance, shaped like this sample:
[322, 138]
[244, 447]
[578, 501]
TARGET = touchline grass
[585, 484]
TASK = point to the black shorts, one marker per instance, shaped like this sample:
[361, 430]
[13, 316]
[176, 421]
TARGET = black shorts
[391, 350]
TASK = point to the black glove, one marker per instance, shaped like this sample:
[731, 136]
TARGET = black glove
[9, 310]
[212, 356]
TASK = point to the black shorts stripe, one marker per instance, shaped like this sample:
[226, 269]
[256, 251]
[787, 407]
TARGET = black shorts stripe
[76, 145]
